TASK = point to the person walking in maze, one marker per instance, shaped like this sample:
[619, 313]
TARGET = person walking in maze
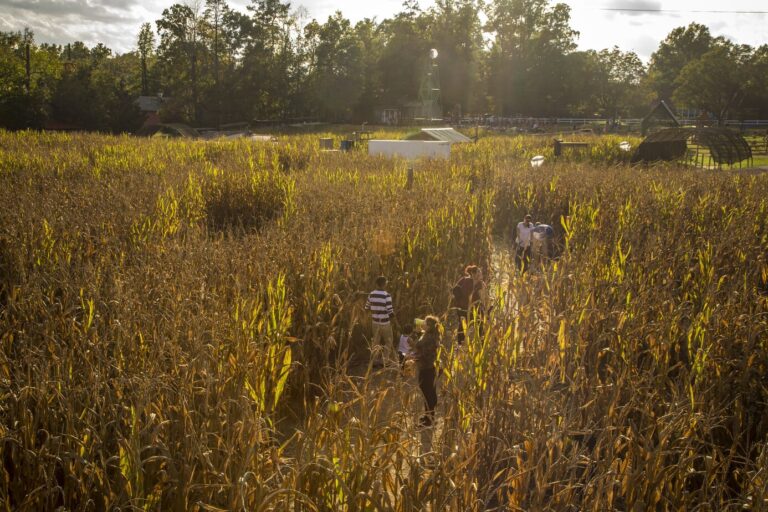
[466, 293]
[379, 303]
[425, 354]
[523, 238]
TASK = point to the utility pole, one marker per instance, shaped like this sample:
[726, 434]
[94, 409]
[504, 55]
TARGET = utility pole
[429, 92]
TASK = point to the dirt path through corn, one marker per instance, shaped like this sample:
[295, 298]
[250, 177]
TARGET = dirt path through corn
[390, 396]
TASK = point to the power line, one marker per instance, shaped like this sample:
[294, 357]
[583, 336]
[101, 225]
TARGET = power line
[678, 11]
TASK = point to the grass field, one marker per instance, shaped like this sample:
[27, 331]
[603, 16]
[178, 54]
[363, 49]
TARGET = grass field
[760, 161]
[177, 321]
[700, 157]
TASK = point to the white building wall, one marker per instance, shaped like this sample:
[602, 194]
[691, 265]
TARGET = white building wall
[410, 149]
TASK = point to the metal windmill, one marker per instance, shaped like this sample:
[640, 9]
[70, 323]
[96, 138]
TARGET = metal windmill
[429, 93]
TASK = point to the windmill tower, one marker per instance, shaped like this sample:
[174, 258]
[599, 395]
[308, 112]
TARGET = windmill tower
[429, 92]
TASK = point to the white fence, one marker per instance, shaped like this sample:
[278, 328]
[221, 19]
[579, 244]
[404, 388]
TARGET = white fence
[582, 121]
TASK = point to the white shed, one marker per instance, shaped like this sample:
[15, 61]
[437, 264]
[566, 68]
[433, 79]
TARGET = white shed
[410, 149]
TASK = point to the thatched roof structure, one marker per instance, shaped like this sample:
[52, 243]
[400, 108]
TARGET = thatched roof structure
[725, 146]
[659, 116]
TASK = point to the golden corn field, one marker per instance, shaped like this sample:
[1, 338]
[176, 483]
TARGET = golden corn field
[182, 328]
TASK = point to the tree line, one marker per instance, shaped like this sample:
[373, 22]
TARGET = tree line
[217, 65]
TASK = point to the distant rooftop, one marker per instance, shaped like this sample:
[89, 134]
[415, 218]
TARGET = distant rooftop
[439, 134]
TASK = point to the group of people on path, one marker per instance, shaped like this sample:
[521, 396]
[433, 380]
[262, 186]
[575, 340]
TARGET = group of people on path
[420, 342]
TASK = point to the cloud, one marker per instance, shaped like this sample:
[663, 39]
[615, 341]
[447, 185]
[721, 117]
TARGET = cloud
[62, 22]
[634, 7]
[355, 10]
[70, 10]
[644, 45]
[116, 22]
[44, 30]
[115, 4]
[717, 26]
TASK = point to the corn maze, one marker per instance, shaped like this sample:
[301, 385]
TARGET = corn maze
[178, 321]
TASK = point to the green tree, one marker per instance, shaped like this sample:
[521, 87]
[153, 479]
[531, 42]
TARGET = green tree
[218, 39]
[372, 45]
[146, 47]
[717, 81]
[115, 86]
[227, 92]
[531, 41]
[179, 54]
[456, 32]
[28, 74]
[94, 91]
[336, 70]
[682, 46]
[616, 77]
[265, 80]
[756, 94]
[579, 71]
[404, 55]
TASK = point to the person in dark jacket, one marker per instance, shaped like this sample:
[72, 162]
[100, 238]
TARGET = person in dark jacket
[425, 354]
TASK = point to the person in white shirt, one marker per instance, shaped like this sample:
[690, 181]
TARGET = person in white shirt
[524, 235]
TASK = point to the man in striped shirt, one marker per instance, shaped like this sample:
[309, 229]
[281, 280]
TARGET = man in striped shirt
[380, 305]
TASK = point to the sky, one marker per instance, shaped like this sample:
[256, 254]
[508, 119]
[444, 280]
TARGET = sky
[116, 22]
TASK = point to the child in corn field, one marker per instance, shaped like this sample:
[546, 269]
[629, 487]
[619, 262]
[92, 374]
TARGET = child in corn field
[425, 354]
[404, 350]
